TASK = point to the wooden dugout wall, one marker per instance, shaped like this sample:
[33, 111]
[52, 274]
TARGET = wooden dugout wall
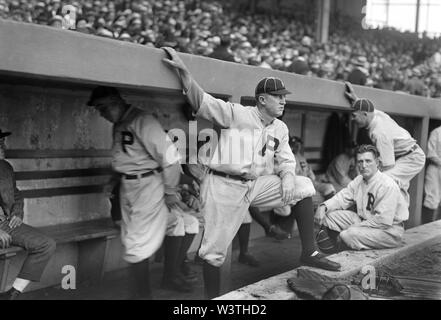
[43, 62]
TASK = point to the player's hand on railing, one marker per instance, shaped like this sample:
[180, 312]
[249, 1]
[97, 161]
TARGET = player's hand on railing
[350, 93]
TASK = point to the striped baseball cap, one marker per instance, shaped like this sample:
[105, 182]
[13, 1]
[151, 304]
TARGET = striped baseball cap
[363, 105]
[271, 85]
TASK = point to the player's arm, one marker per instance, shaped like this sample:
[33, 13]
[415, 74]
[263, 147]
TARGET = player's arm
[432, 155]
[17, 209]
[161, 148]
[203, 104]
[385, 147]
[285, 168]
[384, 212]
[344, 199]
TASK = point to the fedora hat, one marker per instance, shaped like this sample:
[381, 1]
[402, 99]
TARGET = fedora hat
[4, 134]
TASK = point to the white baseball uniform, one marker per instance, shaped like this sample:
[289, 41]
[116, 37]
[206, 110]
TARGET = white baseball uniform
[247, 148]
[432, 184]
[398, 149]
[141, 146]
[381, 211]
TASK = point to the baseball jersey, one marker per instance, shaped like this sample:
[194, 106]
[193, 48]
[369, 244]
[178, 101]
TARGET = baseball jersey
[379, 201]
[434, 144]
[246, 146]
[390, 139]
[140, 144]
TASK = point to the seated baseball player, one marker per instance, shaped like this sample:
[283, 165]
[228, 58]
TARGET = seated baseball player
[381, 210]
[14, 232]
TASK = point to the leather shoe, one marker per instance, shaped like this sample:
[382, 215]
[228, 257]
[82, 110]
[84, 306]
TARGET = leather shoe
[320, 261]
[249, 260]
[276, 232]
[177, 284]
[11, 294]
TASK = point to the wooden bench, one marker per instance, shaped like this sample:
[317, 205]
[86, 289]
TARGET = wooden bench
[276, 288]
[93, 238]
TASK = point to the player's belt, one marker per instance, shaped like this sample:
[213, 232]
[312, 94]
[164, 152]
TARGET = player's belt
[142, 175]
[414, 147]
[230, 176]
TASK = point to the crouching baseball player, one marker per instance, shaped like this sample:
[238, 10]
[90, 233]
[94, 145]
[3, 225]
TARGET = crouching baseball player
[401, 157]
[381, 210]
[262, 176]
[149, 165]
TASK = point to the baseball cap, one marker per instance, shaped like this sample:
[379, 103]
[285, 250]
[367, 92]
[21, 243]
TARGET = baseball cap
[363, 105]
[4, 134]
[271, 85]
[101, 92]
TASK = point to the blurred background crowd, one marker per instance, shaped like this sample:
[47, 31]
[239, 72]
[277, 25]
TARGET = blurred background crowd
[236, 31]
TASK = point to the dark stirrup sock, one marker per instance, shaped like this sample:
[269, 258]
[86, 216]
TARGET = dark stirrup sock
[262, 218]
[211, 280]
[185, 245]
[140, 280]
[172, 247]
[244, 237]
[304, 215]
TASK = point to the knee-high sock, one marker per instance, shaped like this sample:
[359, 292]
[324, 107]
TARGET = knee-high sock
[211, 280]
[261, 218]
[140, 279]
[244, 237]
[172, 247]
[427, 215]
[304, 215]
[185, 245]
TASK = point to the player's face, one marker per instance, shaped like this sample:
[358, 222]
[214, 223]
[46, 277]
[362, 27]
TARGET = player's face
[108, 109]
[367, 164]
[275, 104]
[360, 118]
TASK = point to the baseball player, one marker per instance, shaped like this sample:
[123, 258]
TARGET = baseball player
[231, 186]
[432, 183]
[149, 165]
[401, 157]
[13, 231]
[381, 210]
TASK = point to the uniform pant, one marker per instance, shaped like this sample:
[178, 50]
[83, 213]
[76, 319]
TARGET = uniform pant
[362, 237]
[144, 216]
[406, 168]
[432, 187]
[179, 223]
[39, 248]
[225, 203]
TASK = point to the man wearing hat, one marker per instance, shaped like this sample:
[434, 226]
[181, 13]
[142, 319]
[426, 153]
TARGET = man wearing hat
[401, 157]
[149, 165]
[377, 222]
[251, 165]
[13, 231]
[359, 73]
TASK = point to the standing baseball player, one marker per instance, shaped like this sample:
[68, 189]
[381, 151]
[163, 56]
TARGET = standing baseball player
[432, 183]
[231, 185]
[381, 210]
[13, 231]
[149, 165]
[401, 157]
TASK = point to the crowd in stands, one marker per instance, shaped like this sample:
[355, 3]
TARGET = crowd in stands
[385, 58]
